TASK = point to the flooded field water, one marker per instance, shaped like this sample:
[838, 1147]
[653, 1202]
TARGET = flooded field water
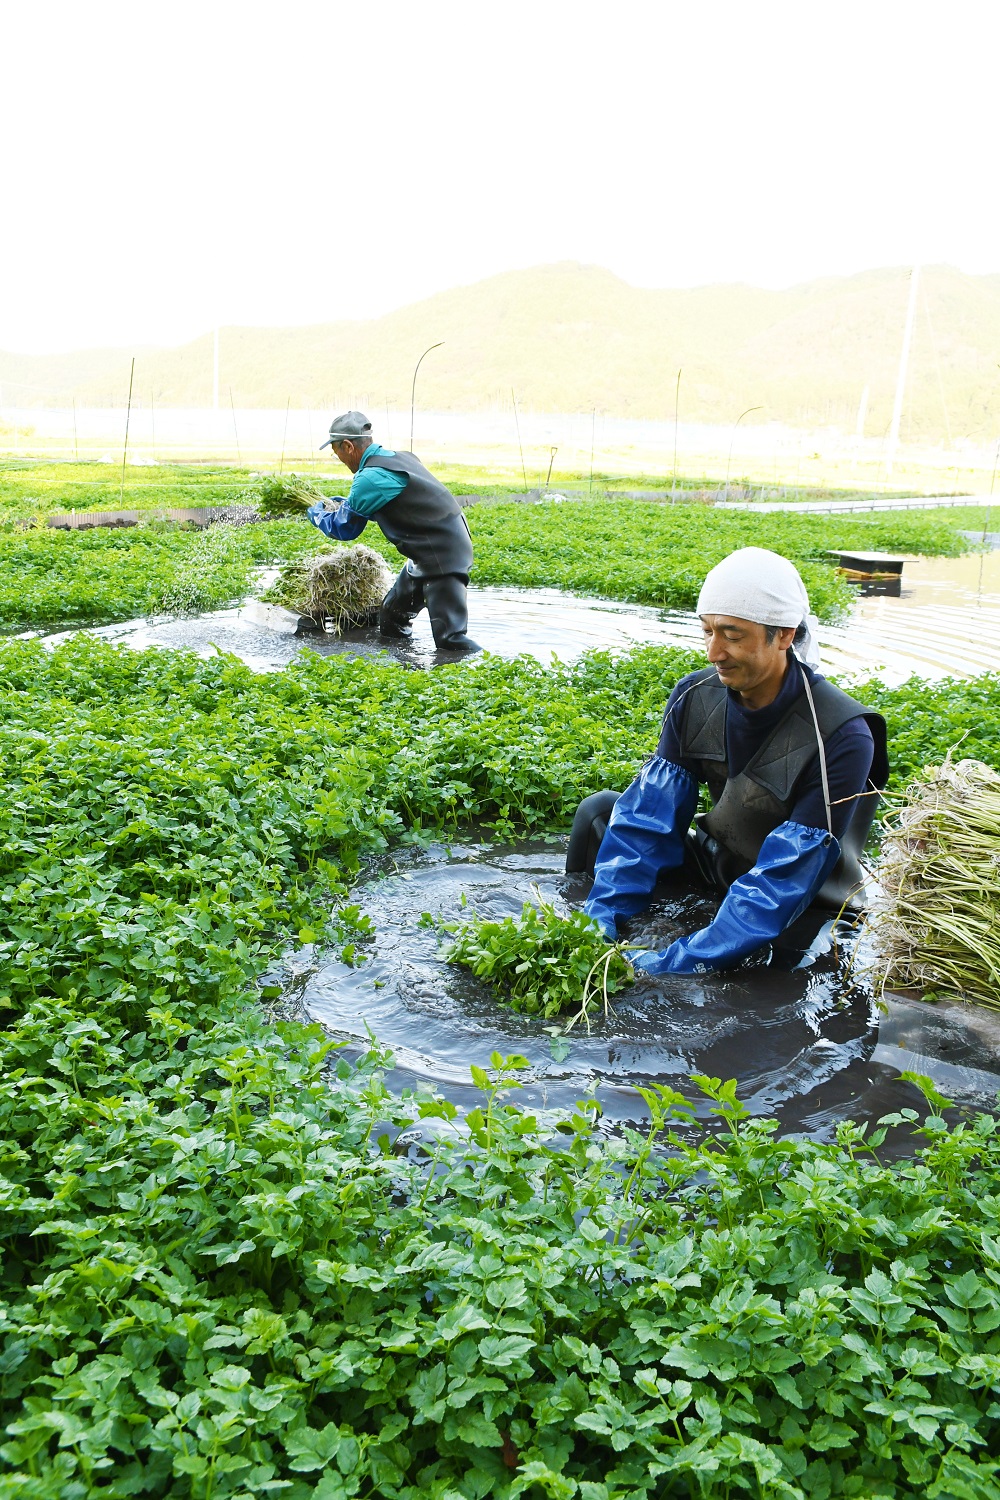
[946, 622]
[806, 1038]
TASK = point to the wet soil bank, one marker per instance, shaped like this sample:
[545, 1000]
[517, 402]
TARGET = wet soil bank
[806, 1038]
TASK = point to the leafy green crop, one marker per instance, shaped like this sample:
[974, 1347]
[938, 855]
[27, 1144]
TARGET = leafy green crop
[927, 719]
[32, 487]
[276, 495]
[542, 963]
[646, 553]
[154, 806]
[218, 1278]
[65, 578]
[659, 554]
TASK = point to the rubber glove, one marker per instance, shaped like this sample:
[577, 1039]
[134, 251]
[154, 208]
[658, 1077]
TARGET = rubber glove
[342, 524]
[792, 865]
[645, 836]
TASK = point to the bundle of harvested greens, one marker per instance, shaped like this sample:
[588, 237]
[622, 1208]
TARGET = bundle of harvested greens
[345, 587]
[938, 925]
[276, 495]
[542, 963]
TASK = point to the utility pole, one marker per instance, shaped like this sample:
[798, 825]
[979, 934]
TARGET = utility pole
[904, 360]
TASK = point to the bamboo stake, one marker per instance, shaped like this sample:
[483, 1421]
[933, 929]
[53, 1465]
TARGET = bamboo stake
[128, 413]
[232, 408]
[677, 400]
[517, 424]
[284, 435]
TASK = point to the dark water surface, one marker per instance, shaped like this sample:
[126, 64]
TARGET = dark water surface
[806, 1040]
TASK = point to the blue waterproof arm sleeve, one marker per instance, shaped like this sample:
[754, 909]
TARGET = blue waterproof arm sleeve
[792, 864]
[342, 525]
[645, 836]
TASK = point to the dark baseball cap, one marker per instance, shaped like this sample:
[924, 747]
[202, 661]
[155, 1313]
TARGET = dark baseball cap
[353, 424]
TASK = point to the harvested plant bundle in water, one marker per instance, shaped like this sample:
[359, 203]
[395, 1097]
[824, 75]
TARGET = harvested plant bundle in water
[276, 495]
[542, 963]
[345, 587]
[938, 929]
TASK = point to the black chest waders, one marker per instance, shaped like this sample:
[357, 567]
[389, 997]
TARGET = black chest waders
[425, 523]
[725, 841]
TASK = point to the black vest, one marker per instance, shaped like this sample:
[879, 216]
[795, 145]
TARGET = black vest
[747, 807]
[425, 521]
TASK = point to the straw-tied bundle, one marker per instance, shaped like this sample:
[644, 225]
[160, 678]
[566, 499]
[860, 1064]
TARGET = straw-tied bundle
[938, 925]
[345, 587]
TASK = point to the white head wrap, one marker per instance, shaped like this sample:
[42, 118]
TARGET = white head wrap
[754, 584]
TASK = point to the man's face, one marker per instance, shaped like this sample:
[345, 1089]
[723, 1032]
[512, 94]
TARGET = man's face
[741, 653]
[348, 454]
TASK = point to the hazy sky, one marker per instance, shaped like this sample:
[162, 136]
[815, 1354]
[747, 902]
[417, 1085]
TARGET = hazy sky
[167, 166]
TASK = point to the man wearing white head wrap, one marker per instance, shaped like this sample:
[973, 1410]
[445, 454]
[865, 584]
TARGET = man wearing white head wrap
[792, 765]
[763, 587]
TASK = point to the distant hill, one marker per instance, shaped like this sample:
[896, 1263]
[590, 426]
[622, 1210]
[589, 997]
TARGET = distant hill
[569, 338]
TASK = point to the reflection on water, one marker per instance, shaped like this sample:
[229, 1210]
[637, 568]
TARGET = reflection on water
[543, 623]
[945, 622]
[880, 588]
[806, 1042]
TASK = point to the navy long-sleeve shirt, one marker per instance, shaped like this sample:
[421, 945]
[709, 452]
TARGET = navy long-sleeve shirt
[849, 750]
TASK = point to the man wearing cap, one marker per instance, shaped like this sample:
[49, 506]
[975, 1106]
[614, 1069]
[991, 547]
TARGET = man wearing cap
[423, 521]
[793, 768]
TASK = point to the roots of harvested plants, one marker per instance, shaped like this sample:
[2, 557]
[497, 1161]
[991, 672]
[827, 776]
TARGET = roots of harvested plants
[345, 587]
[938, 927]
